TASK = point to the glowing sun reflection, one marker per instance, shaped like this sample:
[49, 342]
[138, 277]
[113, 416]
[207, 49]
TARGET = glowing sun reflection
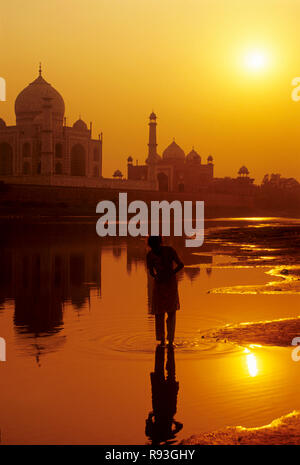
[251, 363]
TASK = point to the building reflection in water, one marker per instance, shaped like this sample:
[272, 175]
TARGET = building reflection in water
[161, 428]
[42, 268]
[136, 253]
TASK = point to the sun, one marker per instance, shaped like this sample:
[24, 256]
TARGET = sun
[255, 60]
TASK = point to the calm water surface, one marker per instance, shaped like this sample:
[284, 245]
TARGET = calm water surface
[74, 310]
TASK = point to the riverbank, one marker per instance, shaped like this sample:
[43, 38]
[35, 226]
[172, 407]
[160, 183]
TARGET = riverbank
[284, 430]
[278, 333]
[30, 201]
[281, 431]
[274, 249]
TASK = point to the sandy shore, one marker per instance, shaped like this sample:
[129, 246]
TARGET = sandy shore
[282, 431]
[287, 281]
[277, 249]
[271, 333]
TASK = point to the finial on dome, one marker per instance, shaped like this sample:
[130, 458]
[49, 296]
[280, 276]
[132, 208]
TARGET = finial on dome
[40, 69]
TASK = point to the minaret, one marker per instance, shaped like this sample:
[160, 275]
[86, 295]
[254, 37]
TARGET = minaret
[152, 145]
[47, 138]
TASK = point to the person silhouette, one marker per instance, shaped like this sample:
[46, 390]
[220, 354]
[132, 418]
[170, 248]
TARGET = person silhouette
[165, 298]
[160, 424]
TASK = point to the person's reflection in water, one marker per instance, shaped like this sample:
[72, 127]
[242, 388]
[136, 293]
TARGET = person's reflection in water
[161, 428]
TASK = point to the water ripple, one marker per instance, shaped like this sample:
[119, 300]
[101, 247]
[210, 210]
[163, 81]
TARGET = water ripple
[144, 343]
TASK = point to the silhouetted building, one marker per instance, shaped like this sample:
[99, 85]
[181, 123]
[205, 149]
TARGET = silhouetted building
[41, 149]
[240, 185]
[174, 171]
[41, 145]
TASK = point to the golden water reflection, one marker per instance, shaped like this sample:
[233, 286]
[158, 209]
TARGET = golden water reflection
[251, 363]
[78, 306]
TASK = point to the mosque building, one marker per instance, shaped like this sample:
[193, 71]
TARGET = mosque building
[41, 147]
[174, 171]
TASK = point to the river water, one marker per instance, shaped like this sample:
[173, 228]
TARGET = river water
[74, 311]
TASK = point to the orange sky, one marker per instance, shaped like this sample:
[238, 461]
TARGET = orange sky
[116, 60]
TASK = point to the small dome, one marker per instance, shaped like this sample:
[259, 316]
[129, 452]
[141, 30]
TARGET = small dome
[210, 159]
[243, 171]
[153, 115]
[80, 125]
[30, 101]
[2, 123]
[118, 174]
[193, 156]
[130, 159]
[174, 152]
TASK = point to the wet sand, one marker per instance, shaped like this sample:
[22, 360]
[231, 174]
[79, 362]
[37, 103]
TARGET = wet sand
[282, 431]
[272, 333]
[276, 251]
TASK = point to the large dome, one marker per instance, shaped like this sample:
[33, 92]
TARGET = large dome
[80, 125]
[193, 157]
[173, 151]
[30, 101]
